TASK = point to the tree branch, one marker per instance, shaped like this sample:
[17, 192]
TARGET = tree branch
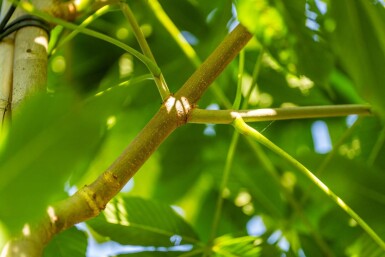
[186, 48]
[228, 116]
[6, 66]
[174, 112]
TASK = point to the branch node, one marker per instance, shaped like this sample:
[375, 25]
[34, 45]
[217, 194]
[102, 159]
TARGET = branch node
[111, 179]
[91, 198]
[180, 107]
[66, 11]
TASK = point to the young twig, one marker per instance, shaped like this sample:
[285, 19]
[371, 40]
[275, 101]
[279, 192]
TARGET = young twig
[158, 78]
[268, 114]
[245, 129]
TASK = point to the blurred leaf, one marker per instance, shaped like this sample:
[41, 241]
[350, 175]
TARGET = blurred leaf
[232, 218]
[262, 19]
[135, 221]
[247, 246]
[281, 28]
[335, 224]
[47, 130]
[359, 185]
[71, 242]
[181, 162]
[364, 246]
[51, 138]
[344, 88]
[358, 42]
[309, 247]
[158, 254]
[256, 182]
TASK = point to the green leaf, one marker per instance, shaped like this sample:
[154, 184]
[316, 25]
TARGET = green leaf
[360, 186]
[247, 246]
[50, 139]
[71, 242]
[175, 160]
[358, 42]
[364, 246]
[135, 221]
[262, 19]
[157, 254]
[282, 30]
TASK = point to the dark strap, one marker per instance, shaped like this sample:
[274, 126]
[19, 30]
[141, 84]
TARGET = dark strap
[21, 22]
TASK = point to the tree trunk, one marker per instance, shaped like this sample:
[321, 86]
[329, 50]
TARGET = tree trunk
[23, 62]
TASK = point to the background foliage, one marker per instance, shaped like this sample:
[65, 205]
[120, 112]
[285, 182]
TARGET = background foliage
[309, 52]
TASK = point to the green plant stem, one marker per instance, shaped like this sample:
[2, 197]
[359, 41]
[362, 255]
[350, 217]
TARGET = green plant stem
[271, 170]
[245, 129]
[227, 116]
[154, 69]
[329, 157]
[296, 205]
[253, 83]
[174, 32]
[89, 201]
[238, 95]
[230, 154]
[186, 48]
[159, 79]
[376, 150]
[269, 167]
[103, 10]
[223, 185]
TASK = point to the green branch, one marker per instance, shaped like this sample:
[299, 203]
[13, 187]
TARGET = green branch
[147, 61]
[268, 114]
[158, 78]
[245, 129]
[103, 10]
[92, 199]
[186, 48]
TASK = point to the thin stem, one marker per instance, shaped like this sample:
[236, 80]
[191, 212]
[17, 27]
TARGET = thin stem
[253, 83]
[230, 154]
[245, 129]
[238, 95]
[174, 32]
[268, 114]
[147, 61]
[158, 78]
[271, 170]
[329, 157]
[186, 48]
[225, 179]
[136, 29]
[376, 150]
[103, 10]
